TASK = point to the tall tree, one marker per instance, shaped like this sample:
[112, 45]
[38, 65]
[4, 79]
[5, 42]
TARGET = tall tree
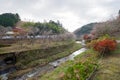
[9, 19]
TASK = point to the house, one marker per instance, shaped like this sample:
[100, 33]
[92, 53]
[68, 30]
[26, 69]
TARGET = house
[19, 32]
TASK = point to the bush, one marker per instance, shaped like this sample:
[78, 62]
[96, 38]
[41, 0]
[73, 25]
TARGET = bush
[105, 46]
[79, 71]
[91, 44]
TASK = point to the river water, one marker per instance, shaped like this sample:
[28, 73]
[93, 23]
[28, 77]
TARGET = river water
[5, 72]
[70, 57]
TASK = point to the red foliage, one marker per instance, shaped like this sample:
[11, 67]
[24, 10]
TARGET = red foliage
[105, 46]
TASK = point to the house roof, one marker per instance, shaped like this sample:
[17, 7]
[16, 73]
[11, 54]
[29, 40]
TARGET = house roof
[19, 30]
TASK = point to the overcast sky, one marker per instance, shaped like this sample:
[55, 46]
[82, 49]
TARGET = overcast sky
[71, 13]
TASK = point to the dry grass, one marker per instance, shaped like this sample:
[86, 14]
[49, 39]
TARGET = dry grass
[27, 45]
[109, 67]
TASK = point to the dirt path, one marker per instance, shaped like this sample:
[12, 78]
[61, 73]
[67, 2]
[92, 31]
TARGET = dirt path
[109, 68]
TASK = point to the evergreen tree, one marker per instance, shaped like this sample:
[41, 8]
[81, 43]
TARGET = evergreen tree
[9, 19]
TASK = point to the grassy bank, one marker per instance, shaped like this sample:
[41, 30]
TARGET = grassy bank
[117, 51]
[109, 67]
[79, 69]
[23, 46]
[26, 61]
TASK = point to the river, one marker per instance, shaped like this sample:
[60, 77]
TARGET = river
[49, 67]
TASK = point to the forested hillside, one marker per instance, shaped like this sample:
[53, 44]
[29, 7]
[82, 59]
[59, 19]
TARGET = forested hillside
[50, 27]
[86, 29]
[9, 21]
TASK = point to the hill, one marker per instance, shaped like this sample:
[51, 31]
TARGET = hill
[9, 21]
[38, 28]
[86, 29]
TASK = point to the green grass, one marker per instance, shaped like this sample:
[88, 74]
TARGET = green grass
[1, 45]
[72, 70]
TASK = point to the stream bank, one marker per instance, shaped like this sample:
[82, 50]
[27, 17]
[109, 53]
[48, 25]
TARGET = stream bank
[52, 65]
[45, 56]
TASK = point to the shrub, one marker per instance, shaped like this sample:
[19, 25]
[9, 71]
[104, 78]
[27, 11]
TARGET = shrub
[79, 71]
[105, 46]
[91, 44]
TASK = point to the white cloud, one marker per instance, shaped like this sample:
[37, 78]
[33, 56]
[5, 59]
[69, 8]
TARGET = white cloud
[69, 19]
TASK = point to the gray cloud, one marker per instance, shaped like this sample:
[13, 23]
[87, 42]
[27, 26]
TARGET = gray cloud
[72, 13]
